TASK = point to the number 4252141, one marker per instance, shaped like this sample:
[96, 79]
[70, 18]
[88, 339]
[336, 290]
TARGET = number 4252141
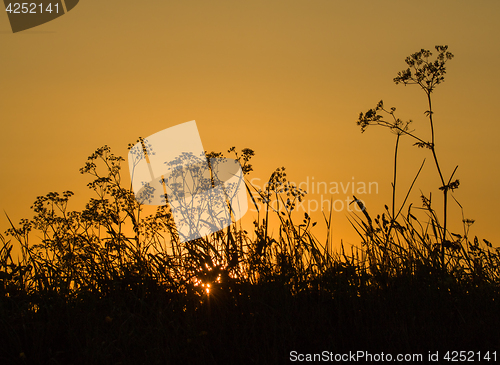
[31, 8]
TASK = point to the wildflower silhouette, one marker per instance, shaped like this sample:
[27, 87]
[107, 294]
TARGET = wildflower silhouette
[427, 74]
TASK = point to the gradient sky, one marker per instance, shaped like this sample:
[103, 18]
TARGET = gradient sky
[285, 78]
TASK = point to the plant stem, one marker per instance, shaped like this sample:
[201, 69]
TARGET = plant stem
[394, 179]
[445, 189]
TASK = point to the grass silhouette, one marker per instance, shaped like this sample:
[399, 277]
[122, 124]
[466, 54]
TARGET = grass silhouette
[112, 284]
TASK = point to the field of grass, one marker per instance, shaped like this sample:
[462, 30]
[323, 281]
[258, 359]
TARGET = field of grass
[113, 285]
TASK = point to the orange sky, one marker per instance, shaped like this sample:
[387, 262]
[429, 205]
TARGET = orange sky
[285, 78]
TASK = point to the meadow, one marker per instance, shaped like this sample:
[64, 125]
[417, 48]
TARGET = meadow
[112, 284]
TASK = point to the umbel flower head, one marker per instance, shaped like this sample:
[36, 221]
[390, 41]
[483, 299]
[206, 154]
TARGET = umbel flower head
[425, 72]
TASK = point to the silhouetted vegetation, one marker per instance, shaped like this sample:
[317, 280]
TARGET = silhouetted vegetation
[112, 284]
